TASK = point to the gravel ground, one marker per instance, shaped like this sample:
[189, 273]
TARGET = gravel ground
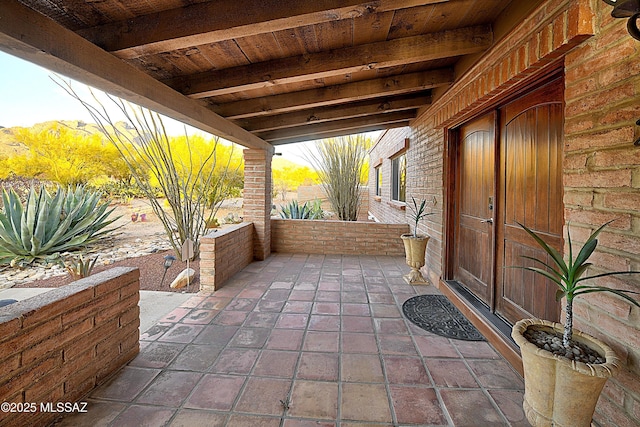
[151, 270]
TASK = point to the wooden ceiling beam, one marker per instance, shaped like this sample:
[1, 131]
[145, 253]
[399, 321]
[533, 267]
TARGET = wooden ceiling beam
[339, 94]
[29, 35]
[324, 114]
[345, 126]
[390, 53]
[338, 133]
[212, 22]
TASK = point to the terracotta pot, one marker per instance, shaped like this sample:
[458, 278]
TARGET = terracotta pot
[559, 391]
[415, 249]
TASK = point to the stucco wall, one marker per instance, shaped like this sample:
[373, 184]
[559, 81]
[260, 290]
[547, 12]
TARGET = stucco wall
[601, 165]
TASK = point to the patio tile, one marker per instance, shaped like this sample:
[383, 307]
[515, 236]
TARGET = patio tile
[217, 392]
[193, 301]
[359, 343]
[252, 421]
[297, 295]
[197, 417]
[263, 396]
[102, 413]
[285, 339]
[406, 370]
[199, 317]
[242, 304]
[276, 295]
[292, 321]
[354, 309]
[297, 307]
[214, 303]
[155, 332]
[458, 402]
[261, 320]
[197, 358]
[328, 296]
[416, 405]
[175, 315]
[307, 423]
[357, 324]
[326, 308]
[450, 373]
[251, 293]
[157, 355]
[314, 399]
[139, 416]
[435, 346]
[235, 361]
[397, 344]
[270, 306]
[365, 402]
[385, 310]
[495, 374]
[318, 366]
[217, 335]
[230, 318]
[510, 403]
[361, 368]
[282, 285]
[476, 349]
[272, 363]
[170, 388]
[180, 333]
[250, 337]
[126, 384]
[381, 299]
[321, 341]
[319, 322]
[390, 326]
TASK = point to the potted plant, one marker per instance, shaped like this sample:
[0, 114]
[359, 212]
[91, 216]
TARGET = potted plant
[415, 246]
[565, 370]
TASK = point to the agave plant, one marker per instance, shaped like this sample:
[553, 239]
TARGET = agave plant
[79, 267]
[568, 276]
[294, 211]
[47, 225]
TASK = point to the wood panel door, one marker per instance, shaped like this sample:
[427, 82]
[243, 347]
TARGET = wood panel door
[473, 259]
[531, 194]
[515, 153]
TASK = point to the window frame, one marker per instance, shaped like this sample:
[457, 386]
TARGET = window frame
[399, 178]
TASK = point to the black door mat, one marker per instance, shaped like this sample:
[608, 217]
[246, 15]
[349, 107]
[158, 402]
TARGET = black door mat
[434, 313]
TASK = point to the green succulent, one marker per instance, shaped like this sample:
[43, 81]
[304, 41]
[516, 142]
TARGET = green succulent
[79, 267]
[46, 225]
[294, 211]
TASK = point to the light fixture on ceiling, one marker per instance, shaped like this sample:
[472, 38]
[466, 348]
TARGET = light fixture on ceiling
[627, 9]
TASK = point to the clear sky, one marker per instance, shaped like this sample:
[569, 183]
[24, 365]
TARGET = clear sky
[28, 96]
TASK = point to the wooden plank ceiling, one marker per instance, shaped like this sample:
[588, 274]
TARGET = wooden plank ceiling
[290, 70]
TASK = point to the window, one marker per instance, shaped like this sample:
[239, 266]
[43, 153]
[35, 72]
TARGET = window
[378, 171]
[399, 178]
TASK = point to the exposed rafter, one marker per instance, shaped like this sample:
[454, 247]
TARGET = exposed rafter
[36, 38]
[325, 114]
[339, 94]
[385, 54]
[346, 126]
[340, 132]
[212, 22]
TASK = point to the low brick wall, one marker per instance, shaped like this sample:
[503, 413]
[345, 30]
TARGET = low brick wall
[223, 253]
[57, 346]
[336, 237]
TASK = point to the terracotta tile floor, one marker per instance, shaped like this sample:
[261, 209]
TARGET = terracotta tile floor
[302, 340]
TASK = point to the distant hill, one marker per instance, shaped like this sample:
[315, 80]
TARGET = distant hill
[10, 146]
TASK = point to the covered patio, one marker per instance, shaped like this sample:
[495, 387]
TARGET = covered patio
[297, 340]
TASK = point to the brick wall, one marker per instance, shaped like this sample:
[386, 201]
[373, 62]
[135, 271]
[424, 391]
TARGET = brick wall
[336, 237]
[57, 346]
[223, 253]
[257, 198]
[601, 165]
[602, 183]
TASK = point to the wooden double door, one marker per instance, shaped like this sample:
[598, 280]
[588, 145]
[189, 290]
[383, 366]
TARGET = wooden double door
[509, 170]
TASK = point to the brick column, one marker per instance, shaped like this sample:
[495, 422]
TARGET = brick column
[257, 199]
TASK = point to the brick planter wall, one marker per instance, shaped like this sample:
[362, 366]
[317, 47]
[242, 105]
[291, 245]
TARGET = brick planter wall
[223, 253]
[336, 237]
[57, 346]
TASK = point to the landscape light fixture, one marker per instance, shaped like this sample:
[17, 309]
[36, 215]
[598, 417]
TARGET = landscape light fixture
[168, 260]
[627, 9]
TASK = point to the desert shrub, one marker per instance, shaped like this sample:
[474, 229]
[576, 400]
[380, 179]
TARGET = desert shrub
[45, 225]
[340, 164]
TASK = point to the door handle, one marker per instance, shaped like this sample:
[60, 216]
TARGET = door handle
[488, 220]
